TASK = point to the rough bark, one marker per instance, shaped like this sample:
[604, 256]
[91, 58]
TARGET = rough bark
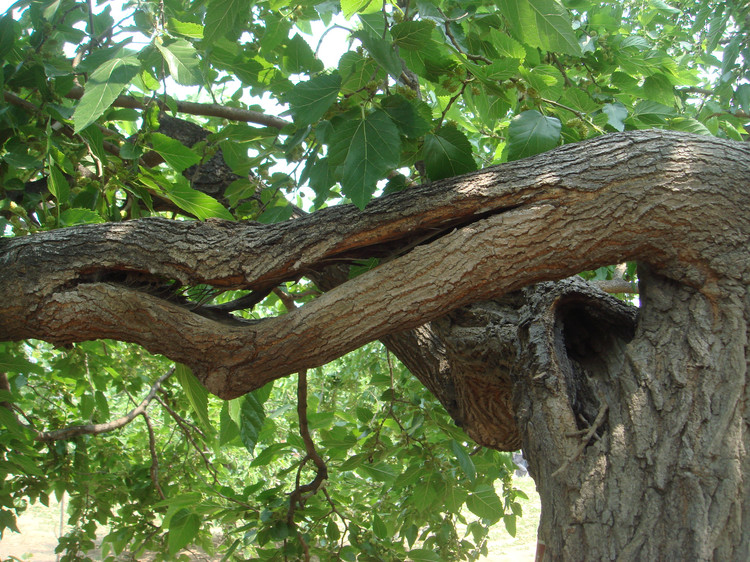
[628, 196]
[637, 439]
[635, 428]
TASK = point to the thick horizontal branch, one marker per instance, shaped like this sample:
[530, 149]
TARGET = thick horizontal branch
[665, 198]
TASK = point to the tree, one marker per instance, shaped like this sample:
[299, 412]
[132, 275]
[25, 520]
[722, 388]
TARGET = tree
[633, 420]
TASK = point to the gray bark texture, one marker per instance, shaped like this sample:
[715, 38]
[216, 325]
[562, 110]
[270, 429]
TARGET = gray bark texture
[635, 422]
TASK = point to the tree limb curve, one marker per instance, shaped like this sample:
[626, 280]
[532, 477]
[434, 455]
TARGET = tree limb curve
[668, 199]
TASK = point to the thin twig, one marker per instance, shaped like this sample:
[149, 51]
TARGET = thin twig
[154, 457]
[185, 426]
[586, 438]
[194, 108]
[97, 428]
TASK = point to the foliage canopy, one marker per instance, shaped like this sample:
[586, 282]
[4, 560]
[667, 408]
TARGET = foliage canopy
[414, 91]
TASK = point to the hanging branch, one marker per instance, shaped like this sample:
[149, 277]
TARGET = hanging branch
[154, 457]
[321, 475]
[95, 429]
[186, 427]
[296, 497]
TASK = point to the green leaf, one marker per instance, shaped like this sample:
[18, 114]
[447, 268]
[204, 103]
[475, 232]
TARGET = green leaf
[510, 524]
[742, 97]
[13, 363]
[196, 393]
[662, 6]
[29, 466]
[222, 17]
[182, 60]
[545, 24]
[71, 217]
[412, 34]
[506, 46]
[379, 471]
[652, 112]
[447, 153]
[351, 7]
[236, 157]
[57, 184]
[379, 527]
[424, 555]
[270, 454]
[368, 149]
[310, 100]
[464, 460]
[7, 34]
[11, 423]
[616, 114]
[425, 493]
[95, 139]
[332, 531]
[412, 118]
[530, 133]
[196, 203]
[187, 29]
[689, 126]
[102, 88]
[298, 57]
[484, 503]
[252, 416]
[658, 88]
[280, 211]
[183, 527]
[357, 71]
[176, 154]
[381, 50]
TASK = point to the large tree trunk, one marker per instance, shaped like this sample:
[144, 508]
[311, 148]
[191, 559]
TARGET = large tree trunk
[634, 421]
[638, 448]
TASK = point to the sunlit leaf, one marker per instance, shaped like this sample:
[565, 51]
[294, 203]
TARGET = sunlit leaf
[57, 184]
[310, 100]
[102, 88]
[196, 393]
[541, 23]
[195, 202]
[182, 60]
[351, 7]
[484, 503]
[174, 152]
[70, 217]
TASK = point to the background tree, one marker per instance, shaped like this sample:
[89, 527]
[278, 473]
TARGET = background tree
[634, 422]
